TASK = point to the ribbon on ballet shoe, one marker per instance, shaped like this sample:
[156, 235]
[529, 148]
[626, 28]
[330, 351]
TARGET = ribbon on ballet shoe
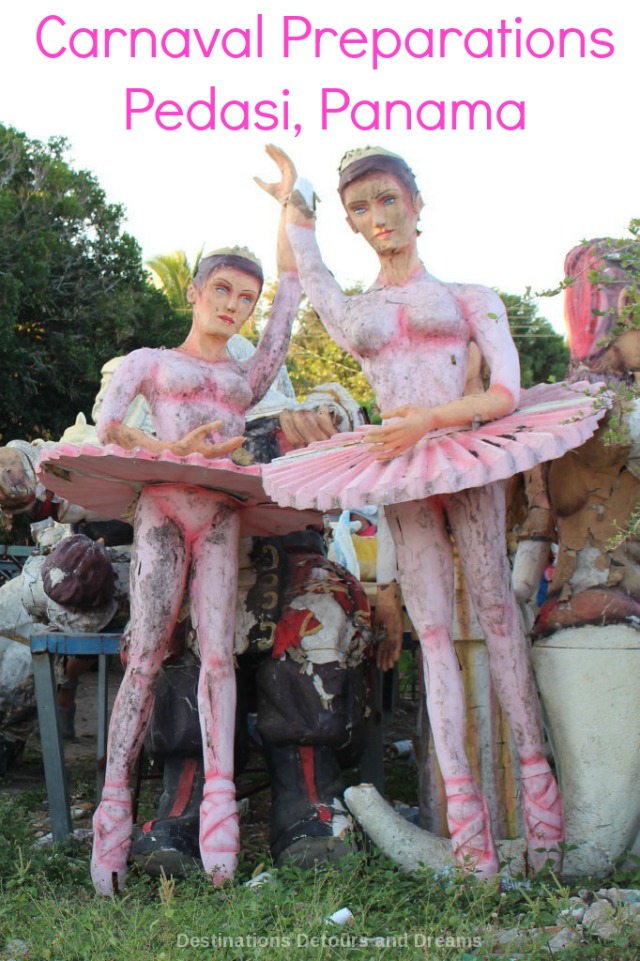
[112, 826]
[473, 846]
[542, 812]
[219, 828]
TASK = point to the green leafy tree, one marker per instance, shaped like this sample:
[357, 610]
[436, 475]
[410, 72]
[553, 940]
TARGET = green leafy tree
[544, 355]
[173, 274]
[313, 356]
[73, 289]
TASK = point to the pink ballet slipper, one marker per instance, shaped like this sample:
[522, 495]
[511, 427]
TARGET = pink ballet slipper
[543, 814]
[112, 826]
[219, 830]
[470, 827]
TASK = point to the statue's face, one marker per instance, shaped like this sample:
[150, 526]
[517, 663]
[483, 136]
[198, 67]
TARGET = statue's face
[381, 208]
[224, 302]
[17, 483]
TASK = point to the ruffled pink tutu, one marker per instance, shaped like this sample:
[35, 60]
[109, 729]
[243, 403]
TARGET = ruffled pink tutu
[108, 480]
[343, 473]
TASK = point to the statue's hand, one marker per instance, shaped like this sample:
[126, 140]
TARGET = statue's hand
[17, 484]
[388, 619]
[302, 427]
[410, 423]
[281, 190]
[195, 442]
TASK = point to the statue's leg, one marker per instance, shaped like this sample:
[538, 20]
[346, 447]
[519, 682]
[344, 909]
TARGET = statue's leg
[425, 563]
[213, 605]
[158, 575]
[478, 520]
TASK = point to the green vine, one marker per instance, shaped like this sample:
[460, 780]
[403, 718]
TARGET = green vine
[631, 532]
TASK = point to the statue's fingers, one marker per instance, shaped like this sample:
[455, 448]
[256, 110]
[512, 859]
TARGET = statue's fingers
[323, 426]
[326, 423]
[205, 429]
[224, 448]
[272, 150]
[265, 186]
[283, 160]
[289, 425]
[310, 427]
[396, 412]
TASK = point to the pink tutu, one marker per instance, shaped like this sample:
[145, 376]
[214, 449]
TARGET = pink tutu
[108, 480]
[343, 473]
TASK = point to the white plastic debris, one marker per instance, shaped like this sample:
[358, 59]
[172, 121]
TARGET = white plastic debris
[341, 916]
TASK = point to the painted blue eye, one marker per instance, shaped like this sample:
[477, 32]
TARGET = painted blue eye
[247, 299]
[222, 290]
[388, 201]
[359, 210]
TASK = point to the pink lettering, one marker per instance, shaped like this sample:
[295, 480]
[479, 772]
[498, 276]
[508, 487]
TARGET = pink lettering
[351, 36]
[131, 91]
[326, 109]
[378, 51]
[290, 37]
[40, 31]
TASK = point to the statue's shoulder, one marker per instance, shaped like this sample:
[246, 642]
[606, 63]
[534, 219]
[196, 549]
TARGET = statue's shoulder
[478, 299]
[151, 353]
[139, 360]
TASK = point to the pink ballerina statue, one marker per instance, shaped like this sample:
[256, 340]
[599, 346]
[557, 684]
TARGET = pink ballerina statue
[198, 396]
[411, 334]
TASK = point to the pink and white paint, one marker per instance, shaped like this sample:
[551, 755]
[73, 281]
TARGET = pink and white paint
[187, 538]
[411, 334]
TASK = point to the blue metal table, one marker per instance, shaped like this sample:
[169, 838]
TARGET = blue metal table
[44, 648]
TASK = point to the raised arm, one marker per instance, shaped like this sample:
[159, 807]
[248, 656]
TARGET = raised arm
[327, 297]
[273, 345]
[263, 366]
[319, 284]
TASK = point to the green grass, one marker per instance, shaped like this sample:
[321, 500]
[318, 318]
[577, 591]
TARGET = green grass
[47, 903]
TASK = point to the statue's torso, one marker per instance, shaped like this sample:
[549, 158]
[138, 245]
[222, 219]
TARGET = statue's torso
[412, 341]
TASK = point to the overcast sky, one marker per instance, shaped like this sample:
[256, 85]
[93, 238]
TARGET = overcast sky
[502, 207]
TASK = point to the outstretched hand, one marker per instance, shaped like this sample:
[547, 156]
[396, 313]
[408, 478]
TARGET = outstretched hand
[195, 442]
[281, 189]
[408, 424]
[302, 427]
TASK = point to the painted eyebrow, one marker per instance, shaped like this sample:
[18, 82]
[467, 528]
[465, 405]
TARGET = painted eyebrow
[221, 279]
[383, 193]
[387, 192]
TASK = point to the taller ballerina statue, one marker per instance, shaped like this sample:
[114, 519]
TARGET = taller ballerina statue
[411, 334]
[198, 395]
